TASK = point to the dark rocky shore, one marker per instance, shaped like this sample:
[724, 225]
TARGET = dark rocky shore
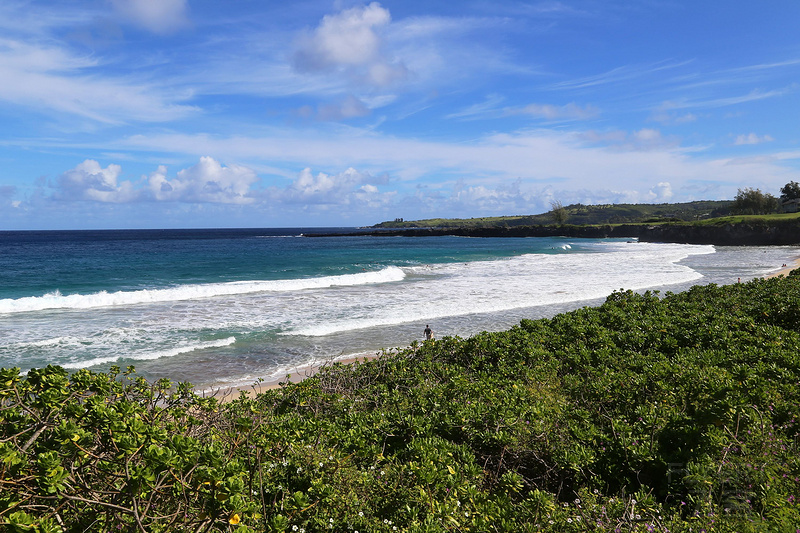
[776, 232]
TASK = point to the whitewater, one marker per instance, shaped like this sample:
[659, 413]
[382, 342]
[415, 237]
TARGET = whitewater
[232, 306]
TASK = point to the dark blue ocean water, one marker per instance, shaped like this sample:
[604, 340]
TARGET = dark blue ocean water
[232, 305]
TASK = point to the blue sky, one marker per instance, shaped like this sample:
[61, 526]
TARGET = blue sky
[252, 113]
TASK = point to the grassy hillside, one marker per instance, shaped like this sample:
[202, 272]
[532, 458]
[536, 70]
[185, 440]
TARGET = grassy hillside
[673, 414]
[583, 214]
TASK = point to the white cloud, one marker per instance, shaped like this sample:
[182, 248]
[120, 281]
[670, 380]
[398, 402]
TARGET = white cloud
[661, 193]
[89, 181]
[351, 42]
[157, 16]
[48, 78]
[490, 107]
[206, 182]
[752, 138]
[573, 160]
[346, 188]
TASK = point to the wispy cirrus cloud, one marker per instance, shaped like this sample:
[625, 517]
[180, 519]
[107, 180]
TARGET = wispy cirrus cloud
[48, 78]
[617, 75]
[752, 96]
[569, 111]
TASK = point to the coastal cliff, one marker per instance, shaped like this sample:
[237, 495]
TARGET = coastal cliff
[754, 232]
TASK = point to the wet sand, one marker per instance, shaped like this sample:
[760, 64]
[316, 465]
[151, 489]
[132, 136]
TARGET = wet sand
[785, 270]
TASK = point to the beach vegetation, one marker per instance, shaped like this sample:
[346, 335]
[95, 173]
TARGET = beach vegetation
[652, 412]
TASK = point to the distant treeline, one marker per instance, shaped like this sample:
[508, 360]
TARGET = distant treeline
[579, 214]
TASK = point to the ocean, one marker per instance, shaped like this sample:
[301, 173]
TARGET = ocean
[226, 307]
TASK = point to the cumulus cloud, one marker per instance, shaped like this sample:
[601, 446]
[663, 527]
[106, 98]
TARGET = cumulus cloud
[89, 181]
[662, 192]
[157, 16]
[346, 188]
[752, 138]
[206, 182]
[351, 42]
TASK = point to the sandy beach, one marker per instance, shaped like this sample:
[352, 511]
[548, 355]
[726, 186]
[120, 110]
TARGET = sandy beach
[784, 271]
[226, 394]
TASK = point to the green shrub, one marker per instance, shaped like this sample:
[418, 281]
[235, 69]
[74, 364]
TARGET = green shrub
[649, 413]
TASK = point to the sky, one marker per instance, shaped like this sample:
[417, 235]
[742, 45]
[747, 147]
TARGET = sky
[255, 113]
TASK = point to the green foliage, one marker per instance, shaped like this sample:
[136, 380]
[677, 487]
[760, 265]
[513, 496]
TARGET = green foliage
[750, 201]
[790, 191]
[580, 214]
[649, 413]
[558, 212]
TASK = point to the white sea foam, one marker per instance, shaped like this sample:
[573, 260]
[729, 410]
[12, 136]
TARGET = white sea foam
[56, 300]
[55, 341]
[153, 355]
[319, 317]
[448, 290]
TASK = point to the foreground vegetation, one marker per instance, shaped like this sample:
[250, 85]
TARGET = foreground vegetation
[673, 413]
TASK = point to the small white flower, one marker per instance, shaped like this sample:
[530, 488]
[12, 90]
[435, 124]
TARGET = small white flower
[360, 513]
[569, 520]
[294, 528]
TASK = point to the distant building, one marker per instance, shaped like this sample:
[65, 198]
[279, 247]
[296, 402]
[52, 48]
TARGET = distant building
[791, 206]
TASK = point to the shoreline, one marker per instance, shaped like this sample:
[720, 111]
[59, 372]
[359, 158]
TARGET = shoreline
[226, 393]
[784, 271]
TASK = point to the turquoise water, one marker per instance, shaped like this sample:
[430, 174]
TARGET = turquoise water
[231, 306]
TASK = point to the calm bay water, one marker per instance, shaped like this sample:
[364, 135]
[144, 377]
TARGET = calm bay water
[230, 306]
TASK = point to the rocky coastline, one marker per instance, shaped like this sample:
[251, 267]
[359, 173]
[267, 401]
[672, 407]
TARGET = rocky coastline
[751, 233]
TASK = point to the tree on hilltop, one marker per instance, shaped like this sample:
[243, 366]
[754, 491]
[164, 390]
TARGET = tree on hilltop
[751, 201]
[558, 212]
[790, 191]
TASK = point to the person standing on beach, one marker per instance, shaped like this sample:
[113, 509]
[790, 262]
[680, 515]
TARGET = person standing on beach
[428, 333]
